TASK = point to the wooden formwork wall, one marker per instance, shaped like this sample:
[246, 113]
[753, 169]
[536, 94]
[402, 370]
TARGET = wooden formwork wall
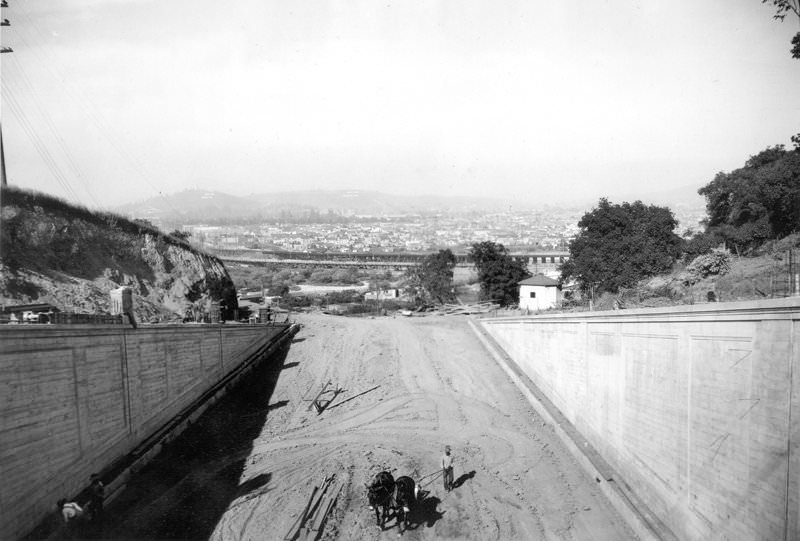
[74, 398]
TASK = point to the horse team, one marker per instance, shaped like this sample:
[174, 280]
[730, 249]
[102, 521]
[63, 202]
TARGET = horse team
[387, 494]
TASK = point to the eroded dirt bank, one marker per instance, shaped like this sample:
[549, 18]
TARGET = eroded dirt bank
[411, 385]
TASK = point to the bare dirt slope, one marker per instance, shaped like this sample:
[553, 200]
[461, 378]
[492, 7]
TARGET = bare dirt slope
[412, 386]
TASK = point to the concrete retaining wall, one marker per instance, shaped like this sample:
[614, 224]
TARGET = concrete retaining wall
[74, 398]
[696, 407]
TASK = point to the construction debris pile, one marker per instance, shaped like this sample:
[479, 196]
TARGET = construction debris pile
[309, 525]
[465, 309]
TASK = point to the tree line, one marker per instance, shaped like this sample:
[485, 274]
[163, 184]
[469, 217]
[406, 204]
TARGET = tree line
[619, 245]
[431, 282]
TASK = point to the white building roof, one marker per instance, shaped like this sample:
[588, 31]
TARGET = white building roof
[538, 280]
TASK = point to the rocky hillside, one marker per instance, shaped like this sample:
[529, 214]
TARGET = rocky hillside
[68, 256]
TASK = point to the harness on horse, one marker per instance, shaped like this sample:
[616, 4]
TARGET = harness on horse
[404, 493]
[378, 500]
[380, 495]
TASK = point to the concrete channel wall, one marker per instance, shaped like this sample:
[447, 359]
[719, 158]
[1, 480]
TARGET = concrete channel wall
[75, 398]
[696, 407]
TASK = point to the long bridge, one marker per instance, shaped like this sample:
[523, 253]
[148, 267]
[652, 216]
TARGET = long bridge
[535, 260]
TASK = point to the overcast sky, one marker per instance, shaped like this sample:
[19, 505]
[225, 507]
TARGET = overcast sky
[109, 101]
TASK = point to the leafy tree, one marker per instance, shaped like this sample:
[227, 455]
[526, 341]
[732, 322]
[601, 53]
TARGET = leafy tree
[346, 276]
[144, 223]
[498, 272]
[413, 284]
[342, 297]
[782, 9]
[278, 290]
[699, 243]
[757, 202]
[618, 245]
[321, 277]
[432, 280]
[181, 235]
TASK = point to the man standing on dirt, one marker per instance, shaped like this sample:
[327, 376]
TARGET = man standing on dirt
[447, 469]
[97, 496]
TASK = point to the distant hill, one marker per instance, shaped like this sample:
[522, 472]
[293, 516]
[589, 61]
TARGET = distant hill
[373, 203]
[172, 210]
[189, 203]
[204, 205]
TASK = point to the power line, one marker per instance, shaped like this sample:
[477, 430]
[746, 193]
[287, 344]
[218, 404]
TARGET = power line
[32, 93]
[17, 110]
[89, 108]
[39, 145]
[3, 181]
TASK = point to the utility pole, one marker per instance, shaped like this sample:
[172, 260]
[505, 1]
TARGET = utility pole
[3, 181]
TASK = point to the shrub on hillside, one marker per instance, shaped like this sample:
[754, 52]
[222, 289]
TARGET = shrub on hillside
[343, 297]
[47, 204]
[697, 244]
[715, 263]
[777, 248]
[321, 277]
[346, 276]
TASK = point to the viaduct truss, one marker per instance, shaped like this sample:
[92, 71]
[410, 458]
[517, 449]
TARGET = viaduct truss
[533, 260]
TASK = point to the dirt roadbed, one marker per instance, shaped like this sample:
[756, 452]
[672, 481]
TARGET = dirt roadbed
[409, 386]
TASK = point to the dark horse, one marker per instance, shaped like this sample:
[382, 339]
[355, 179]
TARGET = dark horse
[379, 495]
[405, 498]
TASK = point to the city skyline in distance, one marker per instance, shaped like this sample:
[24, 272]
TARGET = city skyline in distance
[197, 205]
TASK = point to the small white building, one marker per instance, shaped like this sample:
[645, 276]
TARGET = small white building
[382, 295]
[539, 293]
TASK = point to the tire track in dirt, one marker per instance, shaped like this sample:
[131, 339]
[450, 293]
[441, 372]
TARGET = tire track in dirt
[428, 382]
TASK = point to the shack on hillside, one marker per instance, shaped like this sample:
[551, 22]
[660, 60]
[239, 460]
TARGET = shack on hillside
[539, 293]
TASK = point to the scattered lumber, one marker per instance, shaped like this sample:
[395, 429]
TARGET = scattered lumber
[320, 403]
[465, 309]
[310, 523]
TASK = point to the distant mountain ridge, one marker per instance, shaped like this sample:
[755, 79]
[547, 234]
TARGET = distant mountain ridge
[213, 205]
[206, 205]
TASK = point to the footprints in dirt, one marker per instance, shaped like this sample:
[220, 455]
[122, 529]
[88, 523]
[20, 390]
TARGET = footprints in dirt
[523, 488]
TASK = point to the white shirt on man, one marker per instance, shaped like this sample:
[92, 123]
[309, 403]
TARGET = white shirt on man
[447, 461]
